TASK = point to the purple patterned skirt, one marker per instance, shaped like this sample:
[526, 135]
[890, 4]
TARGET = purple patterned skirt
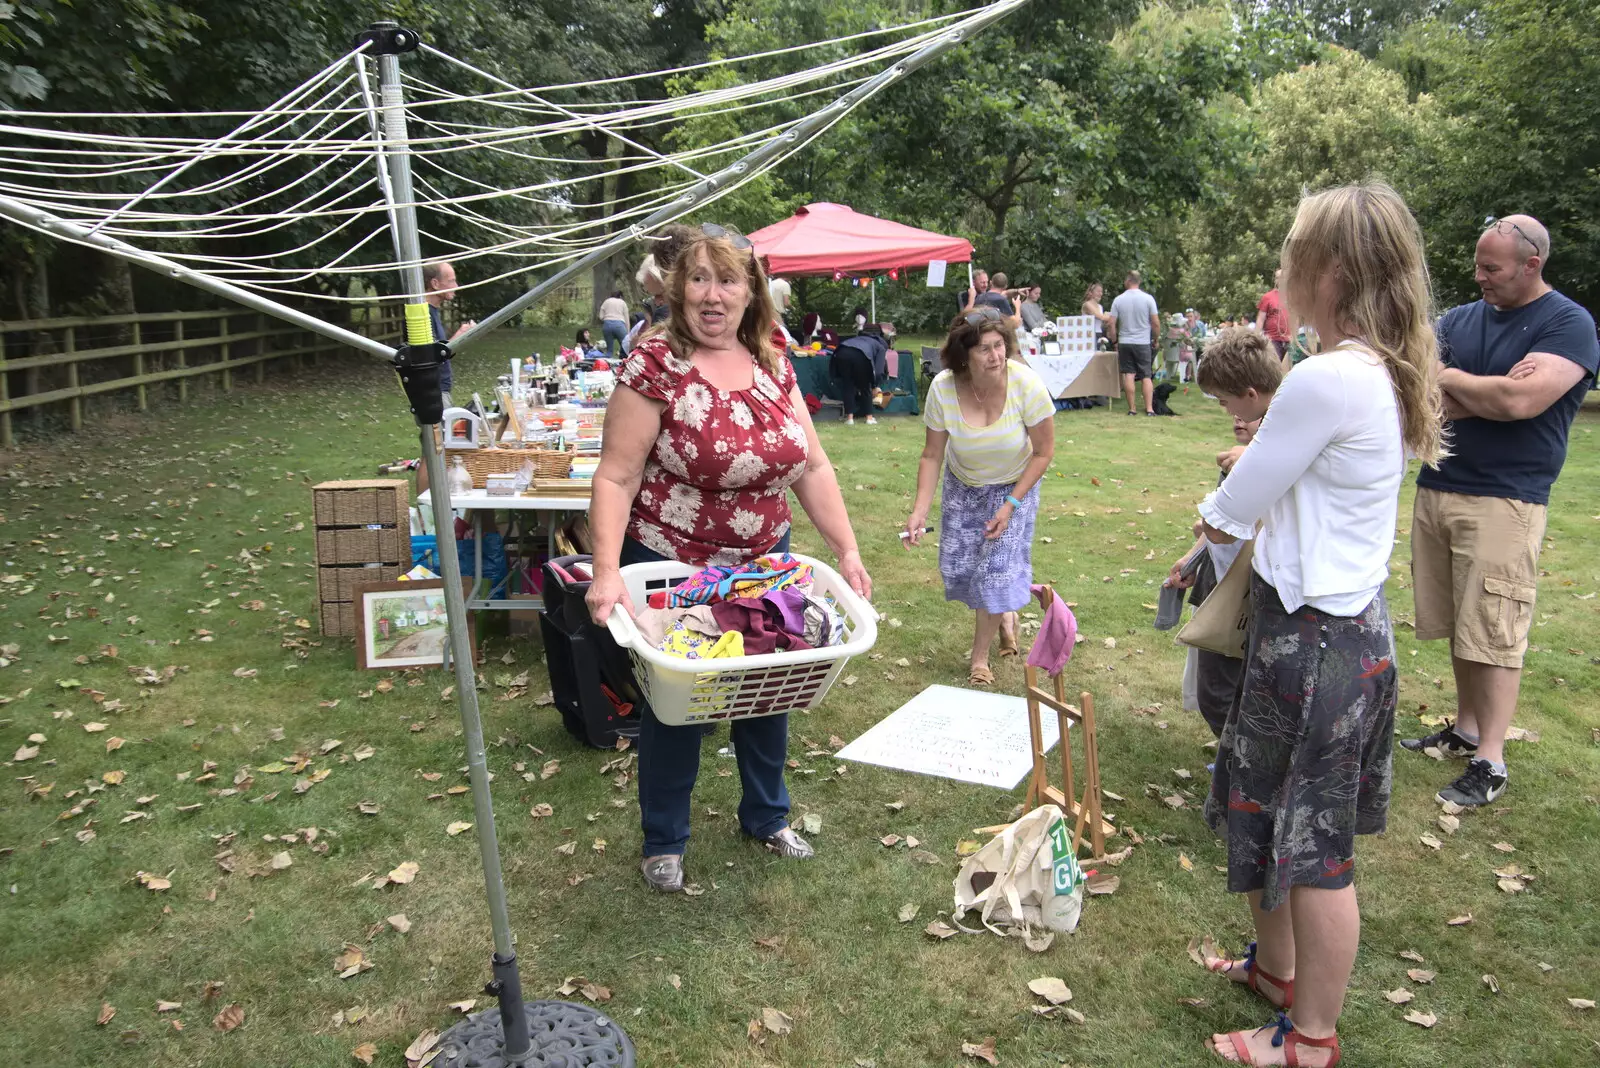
[992, 576]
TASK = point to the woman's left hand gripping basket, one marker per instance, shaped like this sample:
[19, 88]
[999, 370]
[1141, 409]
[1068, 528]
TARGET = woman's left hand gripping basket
[683, 691]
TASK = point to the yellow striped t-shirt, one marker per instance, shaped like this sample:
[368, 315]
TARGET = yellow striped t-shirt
[997, 453]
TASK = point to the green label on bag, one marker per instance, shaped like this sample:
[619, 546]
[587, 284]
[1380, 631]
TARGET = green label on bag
[1065, 872]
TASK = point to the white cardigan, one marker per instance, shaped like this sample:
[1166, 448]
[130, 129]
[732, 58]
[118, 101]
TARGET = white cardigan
[1323, 475]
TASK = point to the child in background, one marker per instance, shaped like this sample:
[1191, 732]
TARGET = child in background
[1242, 371]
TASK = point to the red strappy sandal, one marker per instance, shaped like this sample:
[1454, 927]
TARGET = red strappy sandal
[1256, 973]
[1288, 1038]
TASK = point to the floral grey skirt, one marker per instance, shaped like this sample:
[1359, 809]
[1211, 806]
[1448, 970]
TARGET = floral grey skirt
[1304, 762]
[993, 576]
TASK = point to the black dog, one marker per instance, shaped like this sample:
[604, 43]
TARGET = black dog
[1163, 391]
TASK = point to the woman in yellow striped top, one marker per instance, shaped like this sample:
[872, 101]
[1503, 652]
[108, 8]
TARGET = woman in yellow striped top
[990, 426]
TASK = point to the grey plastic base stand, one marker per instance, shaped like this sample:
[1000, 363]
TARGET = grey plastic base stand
[565, 1035]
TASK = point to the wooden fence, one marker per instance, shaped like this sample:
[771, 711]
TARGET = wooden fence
[66, 361]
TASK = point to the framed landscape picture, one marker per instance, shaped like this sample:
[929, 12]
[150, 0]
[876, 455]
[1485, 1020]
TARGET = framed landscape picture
[402, 624]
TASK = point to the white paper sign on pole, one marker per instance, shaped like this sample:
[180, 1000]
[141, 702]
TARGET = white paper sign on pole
[936, 274]
[967, 735]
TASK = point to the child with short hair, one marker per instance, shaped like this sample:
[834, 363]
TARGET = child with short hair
[1242, 371]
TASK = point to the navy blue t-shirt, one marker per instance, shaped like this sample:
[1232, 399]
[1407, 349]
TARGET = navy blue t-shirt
[1520, 459]
[446, 376]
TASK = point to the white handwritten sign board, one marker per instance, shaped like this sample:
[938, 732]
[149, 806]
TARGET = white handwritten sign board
[967, 735]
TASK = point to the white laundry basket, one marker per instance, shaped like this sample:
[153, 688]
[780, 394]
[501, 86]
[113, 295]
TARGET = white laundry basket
[684, 691]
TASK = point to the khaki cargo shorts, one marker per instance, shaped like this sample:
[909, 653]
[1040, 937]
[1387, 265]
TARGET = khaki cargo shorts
[1475, 568]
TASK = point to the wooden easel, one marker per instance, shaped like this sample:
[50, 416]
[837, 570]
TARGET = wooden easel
[1085, 811]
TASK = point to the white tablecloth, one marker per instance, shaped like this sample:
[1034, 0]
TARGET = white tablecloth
[1059, 372]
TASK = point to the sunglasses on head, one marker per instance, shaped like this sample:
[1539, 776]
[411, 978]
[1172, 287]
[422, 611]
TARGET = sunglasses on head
[982, 315]
[738, 241]
[1499, 226]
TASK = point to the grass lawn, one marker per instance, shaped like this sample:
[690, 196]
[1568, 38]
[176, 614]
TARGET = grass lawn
[181, 543]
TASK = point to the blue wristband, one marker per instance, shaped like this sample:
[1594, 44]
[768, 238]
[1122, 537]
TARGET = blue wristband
[1012, 501]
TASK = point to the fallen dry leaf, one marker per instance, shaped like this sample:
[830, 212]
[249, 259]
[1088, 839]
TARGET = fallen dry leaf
[908, 912]
[457, 827]
[281, 860]
[465, 1006]
[399, 922]
[107, 1011]
[1418, 975]
[541, 810]
[981, 1051]
[229, 1018]
[1504, 847]
[778, 1023]
[1193, 1003]
[1185, 863]
[365, 1052]
[1051, 989]
[1431, 842]
[676, 981]
[940, 930]
[550, 768]
[1411, 954]
[1203, 951]
[1492, 983]
[1546, 968]
[168, 1006]
[1581, 1004]
[420, 1048]
[1459, 921]
[1102, 883]
[1449, 824]
[405, 872]
[1421, 1019]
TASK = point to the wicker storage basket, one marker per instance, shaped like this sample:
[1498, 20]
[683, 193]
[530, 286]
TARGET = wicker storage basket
[481, 463]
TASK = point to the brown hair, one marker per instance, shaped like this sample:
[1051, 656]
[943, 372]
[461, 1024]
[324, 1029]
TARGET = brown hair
[1090, 288]
[956, 352]
[1366, 234]
[1239, 359]
[755, 329]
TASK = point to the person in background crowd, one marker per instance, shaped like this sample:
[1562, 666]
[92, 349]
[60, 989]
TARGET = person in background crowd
[990, 427]
[967, 299]
[779, 289]
[1516, 367]
[1138, 324]
[1304, 764]
[1105, 323]
[585, 346]
[614, 323]
[1033, 316]
[652, 279]
[705, 435]
[439, 281]
[1271, 318]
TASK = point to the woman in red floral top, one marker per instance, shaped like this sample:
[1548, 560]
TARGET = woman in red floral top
[705, 435]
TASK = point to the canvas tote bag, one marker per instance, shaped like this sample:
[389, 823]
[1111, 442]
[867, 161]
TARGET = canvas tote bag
[1219, 624]
[1026, 876]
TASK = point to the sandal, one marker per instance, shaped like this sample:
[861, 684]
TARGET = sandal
[1255, 972]
[1008, 642]
[980, 676]
[1285, 1036]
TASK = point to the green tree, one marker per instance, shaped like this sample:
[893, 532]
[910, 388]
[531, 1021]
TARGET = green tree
[1343, 119]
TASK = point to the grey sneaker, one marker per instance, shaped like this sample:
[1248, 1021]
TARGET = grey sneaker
[786, 843]
[664, 872]
[1478, 785]
[1446, 740]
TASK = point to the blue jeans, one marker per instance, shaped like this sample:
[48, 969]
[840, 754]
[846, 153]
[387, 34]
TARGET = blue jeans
[615, 332]
[669, 763]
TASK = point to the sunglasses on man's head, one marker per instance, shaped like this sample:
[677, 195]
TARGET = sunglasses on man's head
[1500, 226]
[982, 315]
[738, 241]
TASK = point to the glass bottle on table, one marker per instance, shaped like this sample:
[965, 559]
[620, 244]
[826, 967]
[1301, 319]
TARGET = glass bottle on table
[460, 478]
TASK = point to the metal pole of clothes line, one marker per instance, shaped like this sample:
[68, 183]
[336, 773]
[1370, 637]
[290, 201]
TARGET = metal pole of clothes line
[418, 362]
[737, 173]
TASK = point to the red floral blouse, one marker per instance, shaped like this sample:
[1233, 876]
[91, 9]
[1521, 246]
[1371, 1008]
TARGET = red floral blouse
[715, 488]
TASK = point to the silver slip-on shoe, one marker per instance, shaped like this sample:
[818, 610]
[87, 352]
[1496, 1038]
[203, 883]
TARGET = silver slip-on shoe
[786, 843]
[664, 872]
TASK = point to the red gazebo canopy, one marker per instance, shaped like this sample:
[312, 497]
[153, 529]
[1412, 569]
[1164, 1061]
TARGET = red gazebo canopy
[825, 238]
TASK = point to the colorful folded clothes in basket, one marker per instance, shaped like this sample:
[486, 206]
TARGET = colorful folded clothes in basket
[762, 575]
[783, 618]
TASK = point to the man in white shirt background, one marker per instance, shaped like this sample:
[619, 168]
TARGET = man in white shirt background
[1138, 325]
